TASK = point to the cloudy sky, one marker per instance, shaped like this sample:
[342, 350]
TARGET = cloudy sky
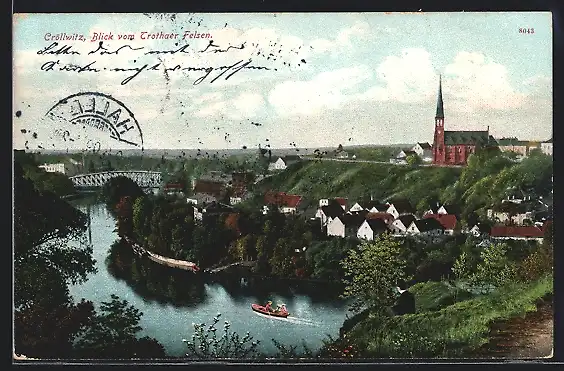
[326, 78]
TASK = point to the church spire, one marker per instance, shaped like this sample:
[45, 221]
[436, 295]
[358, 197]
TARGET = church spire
[440, 113]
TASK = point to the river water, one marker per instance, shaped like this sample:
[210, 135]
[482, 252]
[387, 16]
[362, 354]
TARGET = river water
[314, 314]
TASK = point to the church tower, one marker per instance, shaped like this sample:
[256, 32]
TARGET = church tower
[439, 138]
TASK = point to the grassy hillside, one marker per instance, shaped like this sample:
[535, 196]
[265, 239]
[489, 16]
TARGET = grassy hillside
[358, 181]
[485, 181]
[446, 331]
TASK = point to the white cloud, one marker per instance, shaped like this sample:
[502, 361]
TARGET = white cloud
[475, 83]
[343, 39]
[408, 78]
[327, 90]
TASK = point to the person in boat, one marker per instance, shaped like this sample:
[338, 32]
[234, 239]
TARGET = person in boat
[283, 308]
[268, 306]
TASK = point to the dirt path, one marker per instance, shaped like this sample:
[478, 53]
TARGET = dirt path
[522, 338]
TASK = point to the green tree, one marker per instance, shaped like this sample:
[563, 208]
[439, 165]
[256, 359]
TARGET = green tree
[119, 187]
[141, 215]
[494, 267]
[112, 334]
[413, 160]
[372, 271]
[46, 319]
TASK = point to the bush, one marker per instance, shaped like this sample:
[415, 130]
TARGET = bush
[537, 264]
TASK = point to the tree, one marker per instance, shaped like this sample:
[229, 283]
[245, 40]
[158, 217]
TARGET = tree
[46, 319]
[372, 271]
[413, 160]
[119, 187]
[113, 334]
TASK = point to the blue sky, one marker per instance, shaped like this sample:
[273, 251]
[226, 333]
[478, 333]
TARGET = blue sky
[369, 78]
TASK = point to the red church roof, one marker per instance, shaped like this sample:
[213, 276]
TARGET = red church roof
[448, 221]
[282, 199]
[516, 231]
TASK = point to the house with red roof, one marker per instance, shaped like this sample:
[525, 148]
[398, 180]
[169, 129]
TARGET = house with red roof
[520, 232]
[448, 221]
[286, 203]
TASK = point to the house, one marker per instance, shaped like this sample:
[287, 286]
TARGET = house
[371, 228]
[426, 227]
[511, 213]
[516, 196]
[213, 188]
[212, 209]
[336, 227]
[448, 221]
[546, 147]
[330, 211]
[238, 197]
[286, 203]
[400, 207]
[352, 222]
[281, 163]
[340, 200]
[502, 232]
[173, 189]
[356, 207]
[454, 147]
[404, 154]
[424, 151]
[401, 223]
[514, 145]
[449, 209]
[201, 199]
[54, 168]
[480, 229]
[387, 218]
[375, 206]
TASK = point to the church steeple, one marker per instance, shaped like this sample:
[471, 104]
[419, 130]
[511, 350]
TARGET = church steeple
[440, 112]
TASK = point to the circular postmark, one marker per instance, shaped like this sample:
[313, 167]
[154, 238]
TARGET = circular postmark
[91, 120]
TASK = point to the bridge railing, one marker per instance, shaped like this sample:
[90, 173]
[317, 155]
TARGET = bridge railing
[142, 177]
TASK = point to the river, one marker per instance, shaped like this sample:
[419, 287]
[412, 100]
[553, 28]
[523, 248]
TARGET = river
[169, 319]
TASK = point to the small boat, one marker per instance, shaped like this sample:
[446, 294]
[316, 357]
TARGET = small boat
[261, 309]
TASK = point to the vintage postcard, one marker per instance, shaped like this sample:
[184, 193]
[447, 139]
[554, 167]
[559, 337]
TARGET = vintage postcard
[322, 186]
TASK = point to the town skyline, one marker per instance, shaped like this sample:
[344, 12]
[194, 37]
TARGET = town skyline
[371, 81]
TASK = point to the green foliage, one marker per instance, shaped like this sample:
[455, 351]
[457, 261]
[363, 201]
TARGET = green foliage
[431, 296]
[494, 268]
[372, 271]
[324, 258]
[537, 264]
[452, 331]
[112, 334]
[207, 344]
[117, 188]
[413, 160]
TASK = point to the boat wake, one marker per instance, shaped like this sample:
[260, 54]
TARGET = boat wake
[290, 319]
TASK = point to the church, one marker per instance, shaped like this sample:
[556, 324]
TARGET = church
[454, 147]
